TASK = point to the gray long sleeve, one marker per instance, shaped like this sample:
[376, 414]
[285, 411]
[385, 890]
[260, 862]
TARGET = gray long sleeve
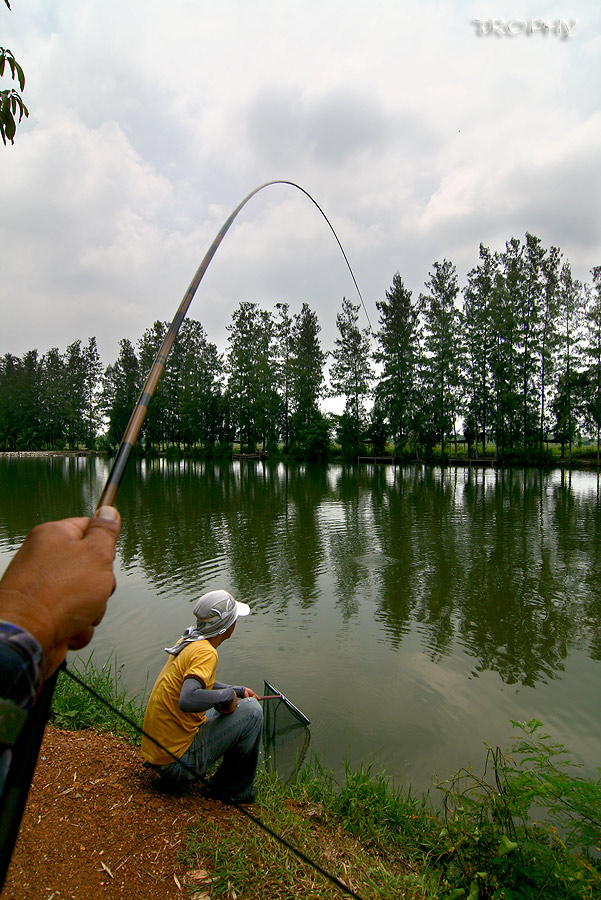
[194, 698]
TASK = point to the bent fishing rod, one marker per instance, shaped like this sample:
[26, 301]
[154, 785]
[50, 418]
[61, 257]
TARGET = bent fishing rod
[135, 423]
[27, 747]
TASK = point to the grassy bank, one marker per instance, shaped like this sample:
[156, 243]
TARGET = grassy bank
[482, 842]
[76, 708]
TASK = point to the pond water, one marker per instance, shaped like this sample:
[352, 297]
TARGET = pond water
[410, 612]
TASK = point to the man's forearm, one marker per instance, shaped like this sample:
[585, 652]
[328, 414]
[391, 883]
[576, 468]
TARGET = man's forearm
[194, 698]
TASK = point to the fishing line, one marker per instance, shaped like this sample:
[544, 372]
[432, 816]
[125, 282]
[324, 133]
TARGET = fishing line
[278, 837]
[301, 855]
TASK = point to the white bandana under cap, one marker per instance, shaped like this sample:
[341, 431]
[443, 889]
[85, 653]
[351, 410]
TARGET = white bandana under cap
[215, 612]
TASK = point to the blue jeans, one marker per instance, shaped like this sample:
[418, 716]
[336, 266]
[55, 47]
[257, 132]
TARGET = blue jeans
[235, 737]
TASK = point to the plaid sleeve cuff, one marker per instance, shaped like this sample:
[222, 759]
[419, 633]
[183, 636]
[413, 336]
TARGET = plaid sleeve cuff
[21, 663]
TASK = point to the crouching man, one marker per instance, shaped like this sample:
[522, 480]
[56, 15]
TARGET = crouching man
[200, 720]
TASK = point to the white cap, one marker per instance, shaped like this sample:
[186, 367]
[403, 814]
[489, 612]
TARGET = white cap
[216, 611]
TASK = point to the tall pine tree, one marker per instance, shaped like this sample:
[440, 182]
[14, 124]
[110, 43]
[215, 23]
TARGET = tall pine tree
[593, 354]
[121, 386]
[441, 361]
[397, 390]
[309, 432]
[478, 401]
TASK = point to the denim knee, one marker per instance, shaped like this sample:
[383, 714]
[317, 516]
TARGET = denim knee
[254, 712]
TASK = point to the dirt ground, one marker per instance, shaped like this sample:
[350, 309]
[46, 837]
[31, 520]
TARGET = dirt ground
[97, 825]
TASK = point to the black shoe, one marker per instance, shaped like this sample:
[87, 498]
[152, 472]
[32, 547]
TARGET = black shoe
[243, 801]
[215, 794]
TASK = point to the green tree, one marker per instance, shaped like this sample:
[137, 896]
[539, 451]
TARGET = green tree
[523, 306]
[309, 430]
[11, 102]
[478, 338]
[441, 361]
[240, 373]
[351, 375]
[8, 420]
[397, 394]
[200, 385]
[53, 400]
[157, 423]
[548, 336]
[20, 402]
[593, 353]
[121, 386]
[528, 302]
[283, 339]
[268, 401]
[503, 353]
[569, 385]
[75, 394]
[29, 410]
[92, 386]
[251, 368]
[378, 429]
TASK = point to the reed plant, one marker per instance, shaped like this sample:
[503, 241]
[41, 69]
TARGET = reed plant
[528, 827]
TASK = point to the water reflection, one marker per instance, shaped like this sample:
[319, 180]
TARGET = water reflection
[504, 564]
[410, 612]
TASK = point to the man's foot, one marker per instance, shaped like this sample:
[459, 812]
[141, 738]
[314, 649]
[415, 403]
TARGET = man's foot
[215, 794]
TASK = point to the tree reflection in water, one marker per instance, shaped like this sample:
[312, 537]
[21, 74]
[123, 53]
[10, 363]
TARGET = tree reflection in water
[505, 564]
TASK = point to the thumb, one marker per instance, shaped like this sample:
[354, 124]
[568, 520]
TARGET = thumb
[107, 518]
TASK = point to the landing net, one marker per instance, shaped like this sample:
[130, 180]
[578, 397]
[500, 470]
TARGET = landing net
[286, 737]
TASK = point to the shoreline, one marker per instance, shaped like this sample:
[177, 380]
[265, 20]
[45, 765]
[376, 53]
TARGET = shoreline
[98, 825]
[486, 462]
[380, 840]
[33, 454]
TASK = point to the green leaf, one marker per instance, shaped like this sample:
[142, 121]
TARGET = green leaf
[20, 75]
[474, 893]
[506, 846]
[9, 127]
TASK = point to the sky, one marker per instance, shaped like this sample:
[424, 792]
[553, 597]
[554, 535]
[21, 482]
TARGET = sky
[420, 129]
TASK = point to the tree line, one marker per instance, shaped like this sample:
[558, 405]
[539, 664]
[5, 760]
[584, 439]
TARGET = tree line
[515, 356]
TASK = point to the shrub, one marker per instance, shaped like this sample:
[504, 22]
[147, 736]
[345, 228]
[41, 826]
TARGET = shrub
[496, 850]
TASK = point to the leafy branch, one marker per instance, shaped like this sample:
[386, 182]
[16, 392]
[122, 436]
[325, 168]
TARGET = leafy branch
[6, 57]
[11, 102]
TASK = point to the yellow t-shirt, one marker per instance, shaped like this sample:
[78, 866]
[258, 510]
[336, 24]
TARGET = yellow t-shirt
[163, 719]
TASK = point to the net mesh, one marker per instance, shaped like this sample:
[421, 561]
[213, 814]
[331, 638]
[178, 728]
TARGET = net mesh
[286, 737]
